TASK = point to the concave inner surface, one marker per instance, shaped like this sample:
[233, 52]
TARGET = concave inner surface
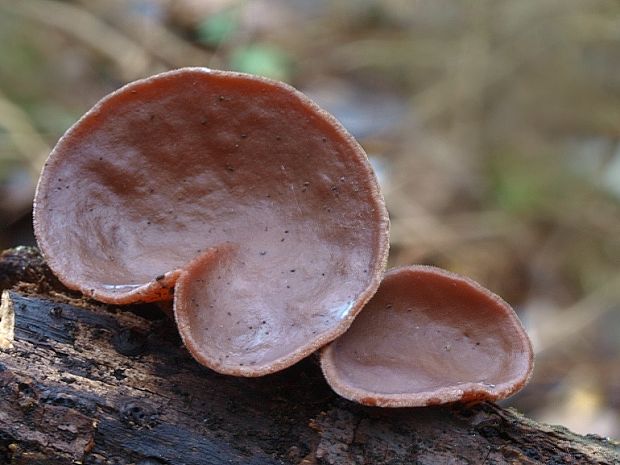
[233, 327]
[167, 168]
[425, 331]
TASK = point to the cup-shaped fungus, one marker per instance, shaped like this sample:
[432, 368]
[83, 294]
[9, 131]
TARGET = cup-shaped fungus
[428, 337]
[267, 196]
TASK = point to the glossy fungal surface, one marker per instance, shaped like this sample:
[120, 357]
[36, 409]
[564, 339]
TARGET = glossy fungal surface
[428, 337]
[271, 201]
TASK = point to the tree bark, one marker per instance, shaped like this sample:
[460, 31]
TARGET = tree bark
[82, 382]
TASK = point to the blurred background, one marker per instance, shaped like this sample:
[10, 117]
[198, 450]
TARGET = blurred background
[494, 127]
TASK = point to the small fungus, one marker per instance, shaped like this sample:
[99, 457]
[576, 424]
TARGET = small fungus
[187, 175]
[428, 337]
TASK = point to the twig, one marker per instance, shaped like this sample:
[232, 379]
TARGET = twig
[132, 60]
[156, 39]
[31, 146]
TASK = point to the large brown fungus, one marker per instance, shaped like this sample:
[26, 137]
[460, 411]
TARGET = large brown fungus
[429, 337]
[263, 204]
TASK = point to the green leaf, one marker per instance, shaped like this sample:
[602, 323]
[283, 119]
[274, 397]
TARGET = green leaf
[218, 27]
[262, 59]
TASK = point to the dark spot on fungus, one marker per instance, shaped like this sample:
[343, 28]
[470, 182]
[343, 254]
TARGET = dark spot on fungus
[433, 401]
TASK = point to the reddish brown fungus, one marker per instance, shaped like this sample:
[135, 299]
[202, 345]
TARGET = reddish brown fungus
[241, 168]
[429, 336]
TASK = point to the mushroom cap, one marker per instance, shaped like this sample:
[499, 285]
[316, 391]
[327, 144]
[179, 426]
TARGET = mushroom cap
[427, 337]
[194, 164]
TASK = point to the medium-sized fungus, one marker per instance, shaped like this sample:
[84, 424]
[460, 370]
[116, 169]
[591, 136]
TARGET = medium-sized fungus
[429, 337]
[261, 201]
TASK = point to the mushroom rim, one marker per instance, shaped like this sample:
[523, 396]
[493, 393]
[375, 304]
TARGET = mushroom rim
[451, 393]
[464, 392]
[166, 286]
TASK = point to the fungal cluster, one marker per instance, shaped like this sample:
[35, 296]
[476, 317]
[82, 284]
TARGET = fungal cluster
[259, 215]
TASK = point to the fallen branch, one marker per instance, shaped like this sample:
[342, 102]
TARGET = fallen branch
[95, 384]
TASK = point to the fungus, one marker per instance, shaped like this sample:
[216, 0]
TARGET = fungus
[260, 203]
[429, 337]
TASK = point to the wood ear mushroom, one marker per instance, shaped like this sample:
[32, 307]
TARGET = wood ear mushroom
[261, 203]
[429, 337]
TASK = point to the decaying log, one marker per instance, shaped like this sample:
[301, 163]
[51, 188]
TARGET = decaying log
[82, 382]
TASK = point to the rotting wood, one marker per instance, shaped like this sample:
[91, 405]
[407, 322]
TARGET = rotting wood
[96, 384]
